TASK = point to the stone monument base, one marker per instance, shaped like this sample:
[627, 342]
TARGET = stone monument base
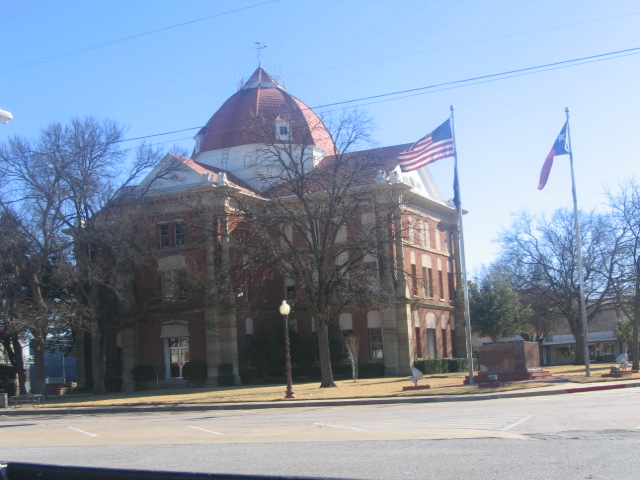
[500, 378]
[619, 373]
[416, 387]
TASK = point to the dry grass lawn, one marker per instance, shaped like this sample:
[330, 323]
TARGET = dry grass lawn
[446, 384]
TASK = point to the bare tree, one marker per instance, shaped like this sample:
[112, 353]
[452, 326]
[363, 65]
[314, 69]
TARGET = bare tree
[626, 208]
[34, 285]
[64, 184]
[352, 346]
[540, 255]
[320, 223]
[541, 322]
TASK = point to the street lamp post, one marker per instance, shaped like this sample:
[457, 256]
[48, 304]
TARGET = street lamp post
[285, 309]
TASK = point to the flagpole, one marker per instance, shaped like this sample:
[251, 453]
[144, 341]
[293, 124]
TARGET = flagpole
[583, 308]
[463, 267]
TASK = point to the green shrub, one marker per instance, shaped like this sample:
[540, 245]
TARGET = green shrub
[143, 375]
[113, 384]
[458, 365]
[433, 366]
[225, 369]
[195, 373]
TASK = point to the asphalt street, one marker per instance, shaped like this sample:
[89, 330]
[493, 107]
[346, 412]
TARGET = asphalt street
[571, 432]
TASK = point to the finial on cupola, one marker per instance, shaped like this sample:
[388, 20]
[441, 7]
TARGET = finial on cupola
[259, 47]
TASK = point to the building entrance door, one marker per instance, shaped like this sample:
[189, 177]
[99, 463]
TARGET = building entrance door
[176, 355]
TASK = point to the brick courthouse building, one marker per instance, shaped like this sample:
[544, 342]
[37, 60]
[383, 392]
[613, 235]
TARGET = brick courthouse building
[189, 219]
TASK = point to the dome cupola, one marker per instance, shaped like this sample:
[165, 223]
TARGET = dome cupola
[260, 112]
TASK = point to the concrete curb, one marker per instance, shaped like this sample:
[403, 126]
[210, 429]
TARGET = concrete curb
[312, 403]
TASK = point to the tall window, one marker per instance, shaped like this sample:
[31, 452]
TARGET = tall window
[372, 274]
[431, 343]
[414, 280]
[178, 355]
[445, 343]
[179, 233]
[289, 289]
[174, 285]
[163, 231]
[410, 231]
[375, 342]
[451, 281]
[341, 261]
[426, 234]
[425, 283]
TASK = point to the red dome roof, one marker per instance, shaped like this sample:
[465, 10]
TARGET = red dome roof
[249, 116]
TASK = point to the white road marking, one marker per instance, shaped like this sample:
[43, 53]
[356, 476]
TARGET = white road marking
[338, 426]
[82, 431]
[517, 423]
[204, 430]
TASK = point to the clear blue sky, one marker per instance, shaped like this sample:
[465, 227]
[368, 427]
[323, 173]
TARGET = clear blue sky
[164, 65]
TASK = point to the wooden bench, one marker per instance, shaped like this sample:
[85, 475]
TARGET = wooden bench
[35, 399]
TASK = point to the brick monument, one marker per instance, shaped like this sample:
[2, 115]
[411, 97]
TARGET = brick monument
[500, 363]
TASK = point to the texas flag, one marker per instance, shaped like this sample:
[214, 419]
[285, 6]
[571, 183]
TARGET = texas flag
[560, 147]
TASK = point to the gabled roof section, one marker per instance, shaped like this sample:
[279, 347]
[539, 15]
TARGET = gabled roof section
[229, 179]
[348, 170]
[363, 168]
[176, 173]
[367, 162]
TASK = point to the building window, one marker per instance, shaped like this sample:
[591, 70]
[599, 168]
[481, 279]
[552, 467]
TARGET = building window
[431, 343]
[426, 235]
[179, 233]
[290, 292]
[372, 274]
[246, 281]
[163, 231]
[341, 234]
[174, 285]
[345, 351]
[445, 343]
[410, 231]
[177, 355]
[283, 131]
[342, 264]
[429, 282]
[375, 343]
[414, 280]
[425, 284]
[418, 337]
[451, 282]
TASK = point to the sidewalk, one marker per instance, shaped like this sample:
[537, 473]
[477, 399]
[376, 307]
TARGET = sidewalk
[552, 389]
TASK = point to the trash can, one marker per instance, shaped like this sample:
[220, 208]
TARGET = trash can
[4, 400]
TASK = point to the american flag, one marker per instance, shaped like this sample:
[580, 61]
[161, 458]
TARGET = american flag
[436, 145]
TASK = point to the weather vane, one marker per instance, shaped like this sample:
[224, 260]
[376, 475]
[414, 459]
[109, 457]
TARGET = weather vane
[259, 47]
